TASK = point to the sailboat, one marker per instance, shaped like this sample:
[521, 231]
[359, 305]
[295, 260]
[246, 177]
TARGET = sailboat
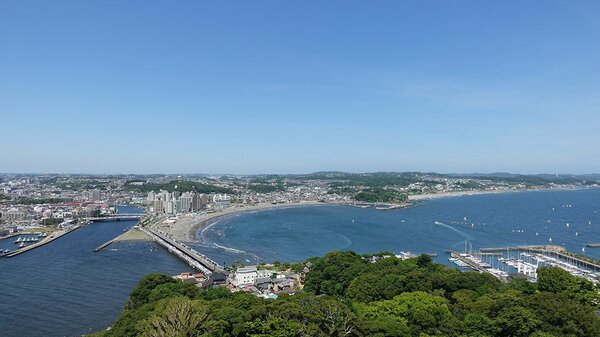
[583, 249]
[567, 224]
[550, 240]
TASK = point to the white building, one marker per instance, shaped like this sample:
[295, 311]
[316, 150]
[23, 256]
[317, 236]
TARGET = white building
[221, 200]
[249, 275]
[245, 276]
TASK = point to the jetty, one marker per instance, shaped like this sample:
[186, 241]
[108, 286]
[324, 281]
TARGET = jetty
[593, 245]
[44, 241]
[132, 234]
[185, 253]
[106, 244]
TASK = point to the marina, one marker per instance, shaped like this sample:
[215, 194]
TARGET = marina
[523, 261]
[38, 243]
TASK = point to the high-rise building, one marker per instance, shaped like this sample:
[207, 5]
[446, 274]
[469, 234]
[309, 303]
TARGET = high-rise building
[159, 206]
[185, 202]
[151, 197]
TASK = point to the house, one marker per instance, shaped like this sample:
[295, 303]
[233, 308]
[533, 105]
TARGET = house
[218, 278]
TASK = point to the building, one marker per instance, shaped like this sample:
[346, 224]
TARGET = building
[159, 206]
[13, 214]
[93, 195]
[185, 202]
[245, 276]
[175, 202]
[199, 202]
[221, 200]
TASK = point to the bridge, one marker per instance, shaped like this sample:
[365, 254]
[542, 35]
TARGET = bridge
[187, 254]
[117, 217]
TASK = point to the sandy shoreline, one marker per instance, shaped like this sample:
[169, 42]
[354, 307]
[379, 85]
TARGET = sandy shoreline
[428, 196]
[184, 229]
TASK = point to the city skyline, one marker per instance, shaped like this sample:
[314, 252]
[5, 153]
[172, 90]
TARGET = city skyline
[281, 87]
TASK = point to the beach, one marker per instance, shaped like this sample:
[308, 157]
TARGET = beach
[427, 196]
[184, 228]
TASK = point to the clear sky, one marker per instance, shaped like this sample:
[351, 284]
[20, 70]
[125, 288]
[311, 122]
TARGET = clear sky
[299, 86]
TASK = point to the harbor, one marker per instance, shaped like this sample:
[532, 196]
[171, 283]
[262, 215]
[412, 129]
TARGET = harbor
[523, 261]
[45, 239]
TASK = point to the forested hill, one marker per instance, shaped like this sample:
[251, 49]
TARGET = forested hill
[347, 294]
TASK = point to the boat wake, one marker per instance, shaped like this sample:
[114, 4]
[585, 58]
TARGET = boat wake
[207, 227]
[237, 251]
[229, 249]
[348, 241]
[465, 235]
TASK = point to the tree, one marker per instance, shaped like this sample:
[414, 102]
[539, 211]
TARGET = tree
[516, 321]
[141, 293]
[479, 325]
[422, 312]
[424, 260]
[333, 274]
[555, 280]
[180, 317]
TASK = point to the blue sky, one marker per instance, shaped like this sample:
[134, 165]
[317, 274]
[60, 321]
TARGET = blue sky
[299, 86]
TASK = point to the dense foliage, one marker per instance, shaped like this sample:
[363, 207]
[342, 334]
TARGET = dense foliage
[177, 185]
[380, 195]
[38, 201]
[347, 294]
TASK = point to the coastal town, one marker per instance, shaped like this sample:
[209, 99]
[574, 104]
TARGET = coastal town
[29, 202]
[36, 209]
[179, 204]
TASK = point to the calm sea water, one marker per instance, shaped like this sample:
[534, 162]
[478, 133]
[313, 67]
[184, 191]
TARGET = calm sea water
[492, 220]
[65, 289]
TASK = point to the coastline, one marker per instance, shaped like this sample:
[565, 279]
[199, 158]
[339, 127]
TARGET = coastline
[186, 226]
[430, 196]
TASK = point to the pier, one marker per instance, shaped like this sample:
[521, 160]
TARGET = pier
[187, 254]
[462, 257]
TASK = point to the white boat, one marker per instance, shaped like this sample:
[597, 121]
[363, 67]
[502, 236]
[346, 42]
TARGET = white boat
[550, 240]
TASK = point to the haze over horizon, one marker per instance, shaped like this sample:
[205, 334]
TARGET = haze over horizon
[285, 87]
